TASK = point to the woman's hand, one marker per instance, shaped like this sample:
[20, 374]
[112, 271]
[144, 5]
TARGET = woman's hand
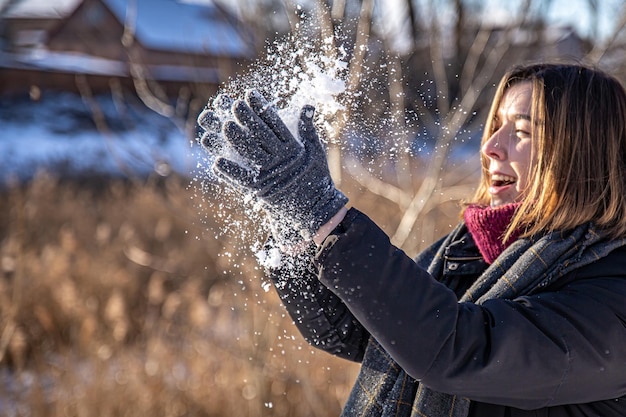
[289, 177]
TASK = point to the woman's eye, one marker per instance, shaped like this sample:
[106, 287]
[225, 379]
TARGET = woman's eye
[521, 133]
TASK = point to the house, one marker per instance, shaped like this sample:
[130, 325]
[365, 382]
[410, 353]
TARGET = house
[166, 46]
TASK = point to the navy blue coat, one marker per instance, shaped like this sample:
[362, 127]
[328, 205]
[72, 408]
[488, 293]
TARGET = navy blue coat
[560, 352]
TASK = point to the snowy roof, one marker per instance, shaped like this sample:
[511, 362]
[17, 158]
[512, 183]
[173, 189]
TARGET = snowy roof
[64, 62]
[72, 62]
[40, 9]
[167, 25]
[171, 25]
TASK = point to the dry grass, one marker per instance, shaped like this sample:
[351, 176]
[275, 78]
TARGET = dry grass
[117, 299]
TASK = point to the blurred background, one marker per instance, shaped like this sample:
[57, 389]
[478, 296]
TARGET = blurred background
[128, 279]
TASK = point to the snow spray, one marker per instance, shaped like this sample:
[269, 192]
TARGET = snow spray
[293, 73]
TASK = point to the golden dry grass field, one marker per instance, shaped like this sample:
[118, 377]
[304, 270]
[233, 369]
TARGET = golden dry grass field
[122, 298]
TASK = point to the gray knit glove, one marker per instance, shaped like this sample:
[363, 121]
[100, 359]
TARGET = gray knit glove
[289, 177]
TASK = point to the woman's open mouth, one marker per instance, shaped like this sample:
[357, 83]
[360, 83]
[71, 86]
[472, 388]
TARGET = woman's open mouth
[500, 180]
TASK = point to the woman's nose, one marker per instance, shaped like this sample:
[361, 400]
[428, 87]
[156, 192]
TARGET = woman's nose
[494, 147]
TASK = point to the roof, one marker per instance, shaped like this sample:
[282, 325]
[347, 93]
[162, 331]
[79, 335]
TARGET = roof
[40, 9]
[171, 25]
[76, 63]
[166, 25]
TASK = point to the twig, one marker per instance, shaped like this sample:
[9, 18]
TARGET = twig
[377, 186]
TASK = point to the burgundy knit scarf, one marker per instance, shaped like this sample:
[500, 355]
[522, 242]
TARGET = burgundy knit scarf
[487, 226]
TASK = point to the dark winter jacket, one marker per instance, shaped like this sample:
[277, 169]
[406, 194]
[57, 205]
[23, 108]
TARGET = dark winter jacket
[558, 352]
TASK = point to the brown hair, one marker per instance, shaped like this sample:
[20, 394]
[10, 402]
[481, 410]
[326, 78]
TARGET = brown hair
[578, 116]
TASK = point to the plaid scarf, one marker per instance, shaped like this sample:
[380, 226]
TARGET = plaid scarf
[526, 267]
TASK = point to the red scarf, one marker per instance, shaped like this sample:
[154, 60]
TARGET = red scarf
[487, 226]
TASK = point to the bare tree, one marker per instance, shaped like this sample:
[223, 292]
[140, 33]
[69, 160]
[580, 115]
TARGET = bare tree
[462, 62]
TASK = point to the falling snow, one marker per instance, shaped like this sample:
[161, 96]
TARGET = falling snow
[292, 74]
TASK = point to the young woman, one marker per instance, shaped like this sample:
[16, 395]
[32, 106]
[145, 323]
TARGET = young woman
[519, 311]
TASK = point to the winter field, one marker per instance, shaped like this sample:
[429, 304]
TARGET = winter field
[121, 298]
[115, 302]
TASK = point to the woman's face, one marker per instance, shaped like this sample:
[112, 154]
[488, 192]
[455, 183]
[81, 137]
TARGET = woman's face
[508, 150]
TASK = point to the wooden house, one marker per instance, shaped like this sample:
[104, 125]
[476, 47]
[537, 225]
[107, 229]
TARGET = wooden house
[166, 46]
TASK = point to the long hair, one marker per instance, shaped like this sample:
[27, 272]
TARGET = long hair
[578, 116]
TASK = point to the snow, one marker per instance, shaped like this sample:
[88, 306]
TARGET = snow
[64, 62]
[270, 258]
[78, 63]
[41, 8]
[167, 25]
[195, 28]
[58, 134]
[293, 74]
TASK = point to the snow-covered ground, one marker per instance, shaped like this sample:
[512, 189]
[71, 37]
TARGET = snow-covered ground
[66, 134]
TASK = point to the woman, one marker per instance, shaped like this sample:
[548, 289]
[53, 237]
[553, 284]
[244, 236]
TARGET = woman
[519, 311]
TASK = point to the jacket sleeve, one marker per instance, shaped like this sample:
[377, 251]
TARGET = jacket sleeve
[321, 317]
[560, 347]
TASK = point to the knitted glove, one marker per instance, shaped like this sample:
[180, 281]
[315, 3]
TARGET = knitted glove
[289, 177]
[210, 120]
